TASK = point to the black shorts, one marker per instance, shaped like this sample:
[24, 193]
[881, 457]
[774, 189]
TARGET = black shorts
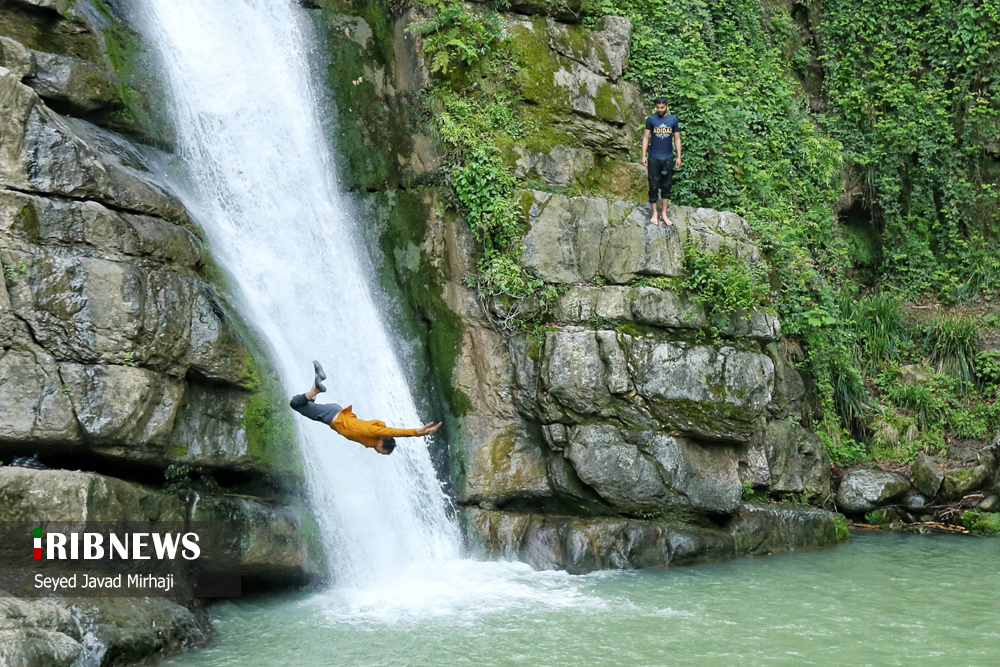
[661, 179]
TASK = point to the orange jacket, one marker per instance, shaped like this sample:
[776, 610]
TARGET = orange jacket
[367, 433]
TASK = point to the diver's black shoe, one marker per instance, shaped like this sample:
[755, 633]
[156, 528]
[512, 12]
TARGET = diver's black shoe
[25, 462]
[320, 376]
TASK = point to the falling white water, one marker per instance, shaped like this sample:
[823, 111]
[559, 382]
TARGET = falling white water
[258, 177]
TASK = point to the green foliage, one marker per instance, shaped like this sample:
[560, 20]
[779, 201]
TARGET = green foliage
[878, 324]
[988, 370]
[912, 100]
[456, 37]
[951, 343]
[843, 449]
[17, 273]
[722, 283]
[843, 528]
[268, 421]
[911, 103]
[476, 99]
[981, 523]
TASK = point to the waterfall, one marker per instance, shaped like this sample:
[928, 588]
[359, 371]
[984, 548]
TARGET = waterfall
[256, 171]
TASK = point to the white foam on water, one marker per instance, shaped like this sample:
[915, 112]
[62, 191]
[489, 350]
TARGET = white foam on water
[461, 590]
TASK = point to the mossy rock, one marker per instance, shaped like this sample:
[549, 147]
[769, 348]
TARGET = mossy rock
[981, 523]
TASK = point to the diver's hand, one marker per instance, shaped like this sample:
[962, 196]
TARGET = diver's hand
[428, 428]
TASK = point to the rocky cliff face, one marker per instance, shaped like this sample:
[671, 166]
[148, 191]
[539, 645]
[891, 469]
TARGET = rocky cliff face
[118, 357]
[627, 428]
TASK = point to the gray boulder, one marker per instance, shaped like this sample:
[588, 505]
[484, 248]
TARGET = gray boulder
[654, 469]
[764, 529]
[275, 546]
[94, 310]
[33, 405]
[509, 466]
[16, 57]
[797, 460]
[960, 481]
[863, 489]
[577, 239]
[927, 475]
[71, 83]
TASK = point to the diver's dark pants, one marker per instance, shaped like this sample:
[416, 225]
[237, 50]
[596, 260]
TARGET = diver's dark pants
[319, 412]
[661, 179]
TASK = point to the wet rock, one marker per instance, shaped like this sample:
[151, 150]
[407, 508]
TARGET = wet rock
[789, 393]
[71, 83]
[37, 632]
[575, 82]
[989, 504]
[581, 545]
[577, 239]
[797, 460]
[573, 373]
[927, 475]
[45, 220]
[93, 310]
[913, 501]
[275, 549]
[712, 393]
[16, 57]
[863, 489]
[604, 51]
[560, 166]
[766, 529]
[560, 245]
[43, 152]
[122, 404]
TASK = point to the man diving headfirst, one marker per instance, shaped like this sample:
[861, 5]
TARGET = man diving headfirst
[374, 434]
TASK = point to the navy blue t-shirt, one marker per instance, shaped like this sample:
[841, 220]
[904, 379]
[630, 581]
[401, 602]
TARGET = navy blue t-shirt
[661, 136]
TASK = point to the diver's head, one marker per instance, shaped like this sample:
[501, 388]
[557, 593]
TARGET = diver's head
[386, 445]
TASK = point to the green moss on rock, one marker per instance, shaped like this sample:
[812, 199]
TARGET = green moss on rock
[268, 422]
[981, 523]
[421, 282]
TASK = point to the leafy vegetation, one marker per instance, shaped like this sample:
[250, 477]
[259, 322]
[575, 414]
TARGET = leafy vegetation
[722, 283]
[910, 106]
[898, 108]
[473, 96]
[981, 523]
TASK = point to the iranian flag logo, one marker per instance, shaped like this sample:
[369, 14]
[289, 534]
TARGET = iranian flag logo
[38, 543]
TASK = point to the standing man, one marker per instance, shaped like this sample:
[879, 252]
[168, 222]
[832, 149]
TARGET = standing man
[658, 157]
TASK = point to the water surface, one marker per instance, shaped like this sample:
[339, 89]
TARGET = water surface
[879, 599]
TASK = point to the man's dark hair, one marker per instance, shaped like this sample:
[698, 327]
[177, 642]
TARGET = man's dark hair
[388, 444]
[661, 100]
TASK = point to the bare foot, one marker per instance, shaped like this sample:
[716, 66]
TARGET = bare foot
[667, 221]
[654, 220]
